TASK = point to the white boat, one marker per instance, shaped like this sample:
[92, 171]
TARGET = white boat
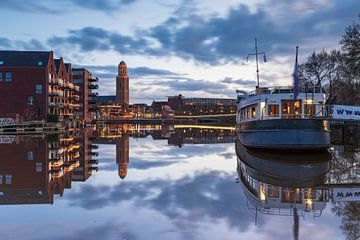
[271, 118]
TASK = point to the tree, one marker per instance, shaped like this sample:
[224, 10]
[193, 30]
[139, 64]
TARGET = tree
[350, 44]
[321, 69]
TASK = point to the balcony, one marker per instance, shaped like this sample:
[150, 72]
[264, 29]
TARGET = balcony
[94, 154]
[94, 79]
[93, 86]
[54, 104]
[92, 146]
[93, 161]
[74, 97]
[91, 101]
[56, 93]
[53, 82]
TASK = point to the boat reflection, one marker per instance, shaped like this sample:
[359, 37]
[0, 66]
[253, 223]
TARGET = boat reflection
[283, 183]
[35, 168]
[295, 184]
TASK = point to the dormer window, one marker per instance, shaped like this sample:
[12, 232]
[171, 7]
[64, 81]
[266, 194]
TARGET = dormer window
[40, 63]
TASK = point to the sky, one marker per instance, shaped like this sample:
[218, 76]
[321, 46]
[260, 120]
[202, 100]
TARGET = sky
[195, 48]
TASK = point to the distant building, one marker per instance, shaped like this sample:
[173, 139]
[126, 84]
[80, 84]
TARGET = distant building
[201, 106]
[122, 86]
[38, 87]
[87, 93]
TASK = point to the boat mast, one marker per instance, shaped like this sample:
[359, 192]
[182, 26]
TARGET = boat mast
[257, 62]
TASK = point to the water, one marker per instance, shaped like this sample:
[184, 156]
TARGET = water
[163, 183]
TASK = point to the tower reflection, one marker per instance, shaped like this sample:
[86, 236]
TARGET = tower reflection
[34, 169]
[176, 135]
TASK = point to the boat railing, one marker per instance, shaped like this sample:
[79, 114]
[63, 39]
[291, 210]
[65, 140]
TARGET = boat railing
[284, 89]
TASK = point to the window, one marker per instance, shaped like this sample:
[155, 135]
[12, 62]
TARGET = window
[1, 62]
[77, 73]
[273, 110]
[77, 81]
[8, 77]
[30, 155]
[38, 167]
[40, 63]
[1, 77]
[39, 89]
[1, 179]
[8, 179]
[30, 100]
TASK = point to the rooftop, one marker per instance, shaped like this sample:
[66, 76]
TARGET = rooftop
[24, 58]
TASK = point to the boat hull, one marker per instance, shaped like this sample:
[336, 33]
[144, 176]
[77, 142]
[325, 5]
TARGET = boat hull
[285, 134]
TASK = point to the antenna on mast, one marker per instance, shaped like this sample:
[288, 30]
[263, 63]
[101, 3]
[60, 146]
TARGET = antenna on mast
[256, 53]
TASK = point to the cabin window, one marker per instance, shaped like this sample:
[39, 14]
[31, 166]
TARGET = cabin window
[291, 108]
[273, 191]
[309, 109]
[253, 112]
[273, 110]
[291, 196]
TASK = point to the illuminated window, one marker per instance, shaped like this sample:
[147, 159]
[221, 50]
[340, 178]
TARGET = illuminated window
[273, 110]
[1, 179]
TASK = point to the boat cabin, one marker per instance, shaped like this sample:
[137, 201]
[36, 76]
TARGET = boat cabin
[278, 102]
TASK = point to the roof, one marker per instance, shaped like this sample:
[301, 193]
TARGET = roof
[122, 63]
[24, 58]
[67, 66]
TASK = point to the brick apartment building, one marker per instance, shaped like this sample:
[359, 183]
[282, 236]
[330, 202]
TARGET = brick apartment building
[38, 87]
[87, 94]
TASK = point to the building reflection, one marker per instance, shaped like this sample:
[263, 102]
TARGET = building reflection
[293, 184]
[35, 169]
[176, 135]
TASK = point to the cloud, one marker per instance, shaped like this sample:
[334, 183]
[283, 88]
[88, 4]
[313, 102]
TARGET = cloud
[60, 7]
[217, 40]
[174, 199]
[31, 44]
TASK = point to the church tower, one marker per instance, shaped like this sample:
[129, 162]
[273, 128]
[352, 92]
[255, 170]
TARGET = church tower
[122, 85]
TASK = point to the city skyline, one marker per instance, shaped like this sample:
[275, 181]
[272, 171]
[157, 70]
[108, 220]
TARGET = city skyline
[188, 47]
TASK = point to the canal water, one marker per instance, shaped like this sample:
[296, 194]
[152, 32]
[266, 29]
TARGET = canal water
[173, 182]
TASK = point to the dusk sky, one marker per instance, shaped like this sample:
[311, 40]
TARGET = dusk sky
[195, 48]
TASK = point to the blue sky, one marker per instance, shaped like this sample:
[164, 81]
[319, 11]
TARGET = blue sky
[196, 48]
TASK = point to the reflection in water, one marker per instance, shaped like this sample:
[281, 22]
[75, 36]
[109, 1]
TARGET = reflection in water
[189, 190]
[34, 169]
[292, 184]
[176, 135]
